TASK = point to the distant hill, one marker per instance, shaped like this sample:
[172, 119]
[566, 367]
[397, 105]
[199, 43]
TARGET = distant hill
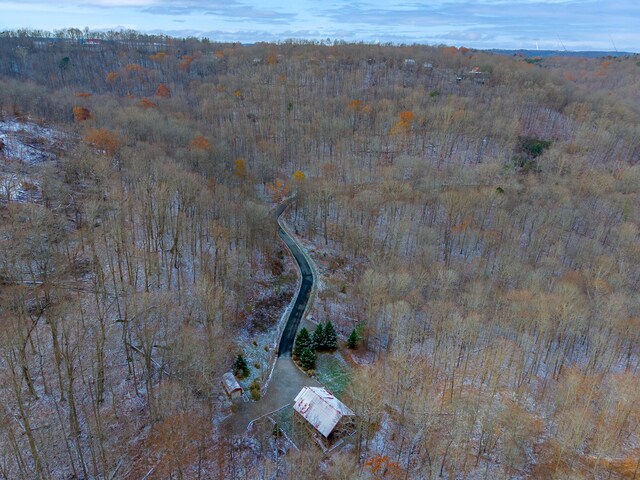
[561, 53]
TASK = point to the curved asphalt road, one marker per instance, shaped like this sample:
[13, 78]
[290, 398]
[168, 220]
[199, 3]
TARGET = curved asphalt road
[302, 298]
[286, 378]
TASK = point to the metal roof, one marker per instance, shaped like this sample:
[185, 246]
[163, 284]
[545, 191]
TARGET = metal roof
[320, 408]
[230, 383]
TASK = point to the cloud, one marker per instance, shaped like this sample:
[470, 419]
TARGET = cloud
[592, 24]
[232, 10]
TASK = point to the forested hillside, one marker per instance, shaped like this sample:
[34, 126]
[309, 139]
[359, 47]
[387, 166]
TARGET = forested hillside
[475, 218]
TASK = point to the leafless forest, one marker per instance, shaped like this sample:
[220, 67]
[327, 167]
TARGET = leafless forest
[476, 217]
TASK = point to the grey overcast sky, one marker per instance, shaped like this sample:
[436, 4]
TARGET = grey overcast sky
[544, 24]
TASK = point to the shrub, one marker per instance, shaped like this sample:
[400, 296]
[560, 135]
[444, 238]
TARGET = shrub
[240, 367]
[308, 359]
[528, 150]
[354, 338]
[254, 389]
[534, 147]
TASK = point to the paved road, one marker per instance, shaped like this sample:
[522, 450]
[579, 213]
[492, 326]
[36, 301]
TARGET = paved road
[286, 380]
[295, 317]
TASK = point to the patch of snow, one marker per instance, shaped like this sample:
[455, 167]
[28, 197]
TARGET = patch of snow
[24, 147]
[28, 142]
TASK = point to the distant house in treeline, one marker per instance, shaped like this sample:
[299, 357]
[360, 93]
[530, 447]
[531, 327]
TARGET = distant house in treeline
[477, 75]
[325, 413]
[91, 42]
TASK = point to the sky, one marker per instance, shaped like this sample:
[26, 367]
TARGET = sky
[510, 24]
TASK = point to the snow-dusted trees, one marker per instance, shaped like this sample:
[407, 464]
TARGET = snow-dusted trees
[479, 238]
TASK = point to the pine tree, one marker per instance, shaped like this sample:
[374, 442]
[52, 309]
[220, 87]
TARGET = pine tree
[308, 359]
[240, 367]
[330, 336]
[303, 340]
[319, 337]
[354, 338]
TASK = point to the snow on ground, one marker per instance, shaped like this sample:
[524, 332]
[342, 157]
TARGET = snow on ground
[29, 142]
[266, 316]
[334, 276]
[24, 147]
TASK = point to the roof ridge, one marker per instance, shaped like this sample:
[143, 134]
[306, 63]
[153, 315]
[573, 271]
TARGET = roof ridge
[336, 398]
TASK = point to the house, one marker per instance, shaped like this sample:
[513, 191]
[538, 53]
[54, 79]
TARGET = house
[325, 413]
[477, 75]
[231, 386]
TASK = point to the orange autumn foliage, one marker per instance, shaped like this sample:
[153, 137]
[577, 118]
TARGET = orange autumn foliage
[163, 91]
[187, 60]
[112, 77]
[144, 103]
[450, 51]
[133, 67]
[104, 139]
[157, 57]
[83, 95]
[355, 105]
[81, 113]
[382, 467]
[278, 190]
[241, 169]
[406, 116]
[404, 124]
[201, 143]
[272, 58]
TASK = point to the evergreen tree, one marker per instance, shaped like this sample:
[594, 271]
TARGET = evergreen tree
[240, 367]
[354, 338]
[308, 359]
[319, 337]
[303, 340]
[330, 336]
